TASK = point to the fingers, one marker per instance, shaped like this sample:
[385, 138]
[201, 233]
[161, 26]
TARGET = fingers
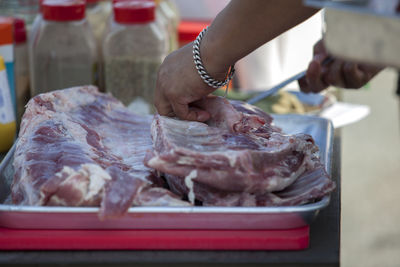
[369, 71]
[313, 81]
[354, 77]
[183, 111]
[303, 85]
[161, 103]
[201, 115]
[357, 75]
[321, 74]
[165, 109]
[334, 74]
[174, 95]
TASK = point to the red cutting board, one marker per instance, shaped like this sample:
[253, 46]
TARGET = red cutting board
[17, 239]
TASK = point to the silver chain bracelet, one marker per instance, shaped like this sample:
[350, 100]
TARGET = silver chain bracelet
[202, 71]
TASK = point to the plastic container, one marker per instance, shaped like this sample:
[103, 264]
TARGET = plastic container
[162, 22]
[37, 22]
[133, 50]
[97, 13]
[63, 48]
[21, 67]
[7, 118]
[172, 21]
[7, 52]
[24, 9]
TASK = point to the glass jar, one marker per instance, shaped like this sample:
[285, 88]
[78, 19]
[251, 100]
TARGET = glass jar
[63, 48]
[133, 50]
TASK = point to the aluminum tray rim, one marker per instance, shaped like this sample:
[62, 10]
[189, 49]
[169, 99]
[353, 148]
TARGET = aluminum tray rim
[178, 217]
[238, 210]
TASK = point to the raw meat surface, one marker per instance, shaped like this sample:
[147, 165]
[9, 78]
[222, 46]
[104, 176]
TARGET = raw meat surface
[237, 158]
[79, 147]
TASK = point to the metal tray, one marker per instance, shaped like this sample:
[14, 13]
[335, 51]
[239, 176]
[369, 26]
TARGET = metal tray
[41, 217]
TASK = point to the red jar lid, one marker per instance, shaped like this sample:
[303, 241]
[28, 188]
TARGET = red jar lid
[19, 31]
[63, 10]
[134, 11]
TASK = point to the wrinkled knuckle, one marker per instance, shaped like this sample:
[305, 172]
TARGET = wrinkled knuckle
[348, 69]
[191, 116]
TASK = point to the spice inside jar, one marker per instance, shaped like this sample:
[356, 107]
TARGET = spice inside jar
[63, 49]
[133, 50]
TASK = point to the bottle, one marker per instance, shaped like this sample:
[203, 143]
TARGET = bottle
[172, 23]
[97, 13]
[36, 24]
[7, 52]
[161, 20]
[63, 48]
[163, 24]
[24, 9]
[21, 67]
[7, 118]
[133, 50]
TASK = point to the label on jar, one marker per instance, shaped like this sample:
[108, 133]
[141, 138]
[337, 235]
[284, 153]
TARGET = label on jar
[6, 108]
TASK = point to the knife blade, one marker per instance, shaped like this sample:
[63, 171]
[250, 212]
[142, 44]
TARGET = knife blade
[279, 86]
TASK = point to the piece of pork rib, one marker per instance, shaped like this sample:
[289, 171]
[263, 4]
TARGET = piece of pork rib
[79, 147]
[238, 150]
[229, 161]
[311, 185]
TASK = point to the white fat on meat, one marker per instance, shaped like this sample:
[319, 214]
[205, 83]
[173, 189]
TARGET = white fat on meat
[90, 180]
[277, 183]
[189, 183]
[97, 179]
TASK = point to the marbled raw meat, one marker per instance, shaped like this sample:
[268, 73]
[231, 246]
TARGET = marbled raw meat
[237, 158]
[79, 147]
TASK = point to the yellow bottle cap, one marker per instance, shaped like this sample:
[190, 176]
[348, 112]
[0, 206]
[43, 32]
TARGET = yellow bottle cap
[2, 66]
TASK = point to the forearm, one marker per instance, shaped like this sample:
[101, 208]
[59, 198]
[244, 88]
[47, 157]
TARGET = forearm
[245, 25]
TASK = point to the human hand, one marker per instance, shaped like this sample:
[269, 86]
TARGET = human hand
[340, 73]
[179, 86]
